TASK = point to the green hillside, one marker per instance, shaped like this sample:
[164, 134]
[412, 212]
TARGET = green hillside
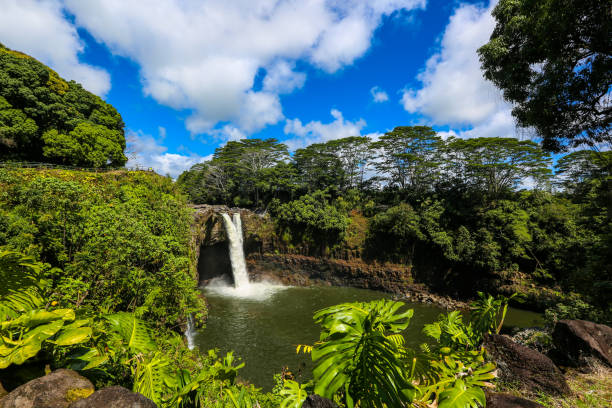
[46, 118]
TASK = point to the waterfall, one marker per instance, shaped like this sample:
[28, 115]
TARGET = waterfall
[242, 288]
[236, 250]
[190, 332]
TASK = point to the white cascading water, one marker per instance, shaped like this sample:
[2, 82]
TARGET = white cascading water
[242, 288]
[236, 250]
[190, 333]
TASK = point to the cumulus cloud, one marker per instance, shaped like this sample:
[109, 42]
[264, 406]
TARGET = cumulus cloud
[39, 28]
[378, 95]
[316, 131]
[205, 55]
[145, 151]
[281, 78]
[453, 90]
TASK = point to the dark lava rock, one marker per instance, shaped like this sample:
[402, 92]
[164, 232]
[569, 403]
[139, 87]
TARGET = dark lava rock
[56, 390]
[502, 400]
[521, 365]
[114, 397]
[316, 401]
[577, 340]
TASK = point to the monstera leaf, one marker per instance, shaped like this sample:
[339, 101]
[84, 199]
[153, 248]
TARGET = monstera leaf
[294, 395]
[133, 331]
[154, 378]
[360, 353]
[462, 396]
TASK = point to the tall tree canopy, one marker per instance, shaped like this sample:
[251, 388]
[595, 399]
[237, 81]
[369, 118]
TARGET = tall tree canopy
[241, 173]
[494, 165]
[45, 118]
[409, 157]
[553, 60]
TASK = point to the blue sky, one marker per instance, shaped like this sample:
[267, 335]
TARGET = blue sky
[189, 75]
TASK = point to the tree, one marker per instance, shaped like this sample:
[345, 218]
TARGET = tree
[16, 129]
[313, 219]
[319, 167]
[575, 171]
[353, 153]
[409, 157]
[553, 60]
[239, 173]
[495, 165]
[393, 234]
[45, 118]
[87, 145]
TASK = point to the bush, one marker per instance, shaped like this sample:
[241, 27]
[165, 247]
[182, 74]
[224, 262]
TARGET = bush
[120, 240]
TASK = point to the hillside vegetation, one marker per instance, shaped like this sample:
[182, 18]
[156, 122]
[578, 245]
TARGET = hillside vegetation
[467, 215]
[46, 118]
[116, 241]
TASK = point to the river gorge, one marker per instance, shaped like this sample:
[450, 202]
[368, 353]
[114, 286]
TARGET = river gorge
[264, 321]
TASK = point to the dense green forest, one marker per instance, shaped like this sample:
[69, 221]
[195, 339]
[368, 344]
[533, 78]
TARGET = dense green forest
[98, 269]
[478, 207]
[48, 119]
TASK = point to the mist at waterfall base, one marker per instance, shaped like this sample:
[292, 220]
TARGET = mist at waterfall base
[263, 322]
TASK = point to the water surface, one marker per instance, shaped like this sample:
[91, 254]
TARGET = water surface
[264, 325]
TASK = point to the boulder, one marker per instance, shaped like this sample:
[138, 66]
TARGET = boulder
[503, 400]
[525, 367]
[578, 340]
[316, 401]
[56, 390]
[114, 397]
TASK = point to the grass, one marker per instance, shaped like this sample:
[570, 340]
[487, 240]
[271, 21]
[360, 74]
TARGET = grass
[589, 390]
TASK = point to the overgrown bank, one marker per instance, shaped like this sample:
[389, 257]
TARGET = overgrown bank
[456, 213]
[116, 241]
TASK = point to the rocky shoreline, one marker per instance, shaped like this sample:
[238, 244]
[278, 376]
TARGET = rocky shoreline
[300, 270]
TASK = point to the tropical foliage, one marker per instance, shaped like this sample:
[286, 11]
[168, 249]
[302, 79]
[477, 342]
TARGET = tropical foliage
[46, 118]
[106, 242]
[361, 360]
[553, 61]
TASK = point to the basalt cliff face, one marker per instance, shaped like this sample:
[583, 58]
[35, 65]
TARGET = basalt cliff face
[269, 258]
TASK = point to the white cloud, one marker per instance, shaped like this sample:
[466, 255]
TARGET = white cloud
[453, 90]
[316, 131]
[145, 151]
[259, 109]
[281, 78]
[378, 95]
[39, 29]
[205, 55]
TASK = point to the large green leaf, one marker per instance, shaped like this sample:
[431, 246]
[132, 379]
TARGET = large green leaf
[461, 396]
[360, 352]
[293, 394]
[35, 318]
[21, 283]
[85, 359]
[18, 351]
[134, 332]
[154, 378]
[69, 337]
